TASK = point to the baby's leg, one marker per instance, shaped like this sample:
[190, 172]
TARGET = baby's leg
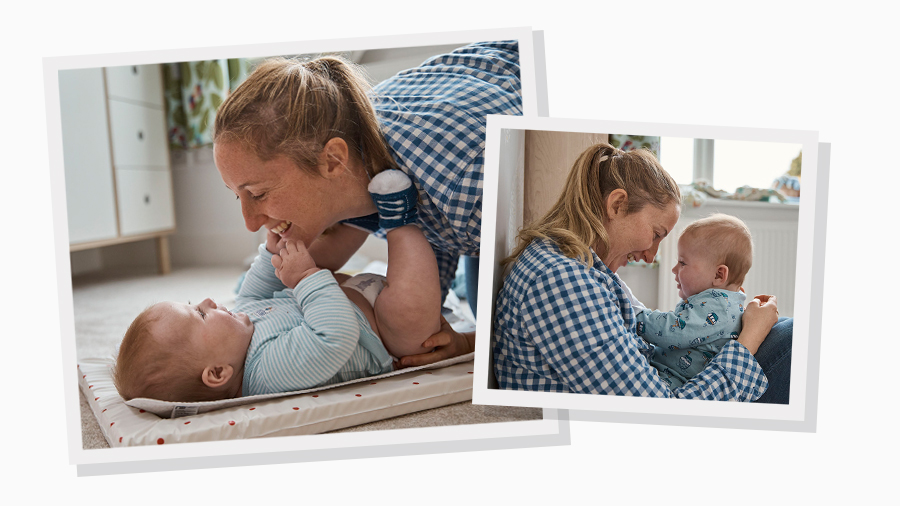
[408, 310]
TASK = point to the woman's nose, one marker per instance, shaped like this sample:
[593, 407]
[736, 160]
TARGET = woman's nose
[252, 219]
[650, 254]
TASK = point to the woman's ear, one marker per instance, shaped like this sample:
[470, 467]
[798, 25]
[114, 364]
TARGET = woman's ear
[334, 159]
[721, 278]
[217, 376]
[617, 203]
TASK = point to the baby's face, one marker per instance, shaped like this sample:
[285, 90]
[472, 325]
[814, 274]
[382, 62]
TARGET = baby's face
[694, 271]
[215, 334]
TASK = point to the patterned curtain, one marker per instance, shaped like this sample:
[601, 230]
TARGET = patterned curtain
[194, 90]
[632, 142]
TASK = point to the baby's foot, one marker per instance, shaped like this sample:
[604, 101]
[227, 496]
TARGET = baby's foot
[395, 196]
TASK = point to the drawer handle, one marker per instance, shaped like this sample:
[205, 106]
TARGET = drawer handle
[140, 135]
[147, 199]
[134, 70]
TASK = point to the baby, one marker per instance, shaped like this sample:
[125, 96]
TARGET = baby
[295, 326]
[714, 255]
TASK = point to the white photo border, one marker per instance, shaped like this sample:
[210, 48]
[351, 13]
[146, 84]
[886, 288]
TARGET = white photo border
[799, 415]
[552, 430]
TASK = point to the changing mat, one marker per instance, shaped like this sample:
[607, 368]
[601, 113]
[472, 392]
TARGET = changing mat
[323, 409]
[309, 412]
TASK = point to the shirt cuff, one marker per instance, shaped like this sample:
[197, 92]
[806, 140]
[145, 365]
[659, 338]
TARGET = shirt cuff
[742, 368]
[264, 253]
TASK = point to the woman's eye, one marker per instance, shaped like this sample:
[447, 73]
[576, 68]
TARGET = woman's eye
[258, 197]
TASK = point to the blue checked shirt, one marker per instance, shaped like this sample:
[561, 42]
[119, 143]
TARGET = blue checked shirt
[433, 119]
[563, 327]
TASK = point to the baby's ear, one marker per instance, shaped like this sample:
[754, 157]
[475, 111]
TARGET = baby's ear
[217, 376]
[721, 278]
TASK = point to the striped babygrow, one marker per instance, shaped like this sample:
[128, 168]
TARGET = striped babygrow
[304, 337]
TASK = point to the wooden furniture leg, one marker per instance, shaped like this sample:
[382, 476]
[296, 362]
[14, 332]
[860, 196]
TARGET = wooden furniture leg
[162, 254]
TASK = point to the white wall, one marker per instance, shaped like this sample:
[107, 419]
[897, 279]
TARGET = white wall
[210, 227]
[509, 212]
[381, 64]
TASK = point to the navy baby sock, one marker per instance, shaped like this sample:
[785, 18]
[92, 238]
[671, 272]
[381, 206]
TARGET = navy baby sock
[395, 196]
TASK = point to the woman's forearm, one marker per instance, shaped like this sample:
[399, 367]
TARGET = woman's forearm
[751, 339]
[334, 248]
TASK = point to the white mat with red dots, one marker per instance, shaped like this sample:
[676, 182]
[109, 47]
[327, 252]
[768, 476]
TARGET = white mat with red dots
[311, 412]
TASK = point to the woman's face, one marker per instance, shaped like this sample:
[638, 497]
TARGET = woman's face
[637, 236]
[275, 194]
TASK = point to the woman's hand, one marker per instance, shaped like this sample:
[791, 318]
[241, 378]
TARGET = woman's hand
[759, 317]
[447, 343]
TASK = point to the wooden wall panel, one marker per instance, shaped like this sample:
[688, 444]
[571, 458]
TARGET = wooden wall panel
[548, 158]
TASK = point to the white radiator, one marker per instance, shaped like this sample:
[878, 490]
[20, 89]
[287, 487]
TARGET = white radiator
[774, 230]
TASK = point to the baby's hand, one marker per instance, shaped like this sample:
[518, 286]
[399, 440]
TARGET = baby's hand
[274, 242]
[293, 263]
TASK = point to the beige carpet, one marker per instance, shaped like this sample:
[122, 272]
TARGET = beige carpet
[105, 304]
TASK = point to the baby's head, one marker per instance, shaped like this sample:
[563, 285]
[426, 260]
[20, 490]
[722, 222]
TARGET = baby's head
[180, 352]
[713, 252]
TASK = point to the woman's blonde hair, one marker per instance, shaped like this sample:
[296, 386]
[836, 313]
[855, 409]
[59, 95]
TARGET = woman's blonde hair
[292, 108]
[575, 222]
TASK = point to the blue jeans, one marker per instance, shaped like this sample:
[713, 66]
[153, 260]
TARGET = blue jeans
[774, 356]
[471, 267]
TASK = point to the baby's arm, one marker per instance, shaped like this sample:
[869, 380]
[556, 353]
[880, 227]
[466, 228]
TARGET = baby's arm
[261, 281]
[666, 328]
[684, 328]
[314, 351]
[694, 322]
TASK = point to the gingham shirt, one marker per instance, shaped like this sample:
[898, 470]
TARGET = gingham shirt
[433, 119]
[304, 337]
[563, 327]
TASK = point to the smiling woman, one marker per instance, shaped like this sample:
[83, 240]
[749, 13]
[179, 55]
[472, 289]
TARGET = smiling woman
[268, 189]
[565, 321]
[299, 141]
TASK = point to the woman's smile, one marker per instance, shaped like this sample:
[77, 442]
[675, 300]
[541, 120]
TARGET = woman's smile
[281, 227]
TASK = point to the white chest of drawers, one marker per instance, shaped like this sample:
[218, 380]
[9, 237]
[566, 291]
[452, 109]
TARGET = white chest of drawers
[116, 158]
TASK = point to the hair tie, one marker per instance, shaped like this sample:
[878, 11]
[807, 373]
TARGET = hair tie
[603, 159]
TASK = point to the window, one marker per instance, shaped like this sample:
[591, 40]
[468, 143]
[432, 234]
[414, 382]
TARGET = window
[727, 164]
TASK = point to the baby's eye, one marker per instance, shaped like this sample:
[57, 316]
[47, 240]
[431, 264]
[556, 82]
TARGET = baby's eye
[202, 314]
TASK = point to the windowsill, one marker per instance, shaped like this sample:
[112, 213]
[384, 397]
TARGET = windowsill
[744, 209]
[747, 203]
